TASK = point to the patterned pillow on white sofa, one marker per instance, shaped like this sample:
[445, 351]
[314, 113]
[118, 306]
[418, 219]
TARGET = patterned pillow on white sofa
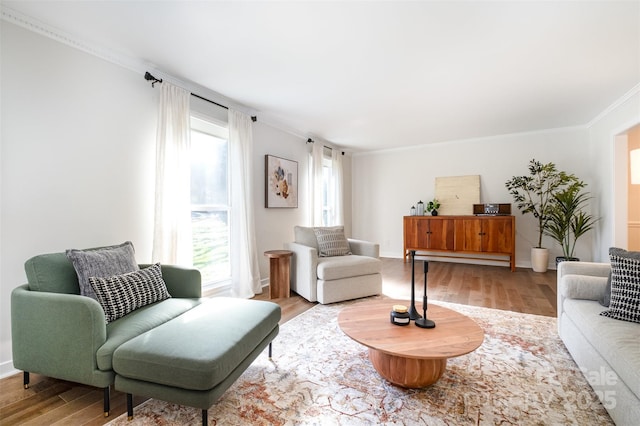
[332, 242]
[625, 285]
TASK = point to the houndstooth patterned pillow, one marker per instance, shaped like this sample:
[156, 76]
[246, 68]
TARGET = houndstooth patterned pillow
[625, 285]
[121, 294]
[332, 242]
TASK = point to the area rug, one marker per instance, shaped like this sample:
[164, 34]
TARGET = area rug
[521, 375]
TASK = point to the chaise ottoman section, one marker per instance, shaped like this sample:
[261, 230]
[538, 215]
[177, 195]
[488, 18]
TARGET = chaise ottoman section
[192, 359]
[140, 321]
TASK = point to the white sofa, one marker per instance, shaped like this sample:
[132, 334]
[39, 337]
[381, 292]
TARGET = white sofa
[336, 278]
[606, 350]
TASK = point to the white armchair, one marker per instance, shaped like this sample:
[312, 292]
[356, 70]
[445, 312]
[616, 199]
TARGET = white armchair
[334, 278]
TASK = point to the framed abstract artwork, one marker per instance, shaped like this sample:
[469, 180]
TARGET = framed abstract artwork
[281, 182]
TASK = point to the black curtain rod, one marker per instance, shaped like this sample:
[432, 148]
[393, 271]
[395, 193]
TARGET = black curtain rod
[328, 147]
[149, 77]
[209, 100]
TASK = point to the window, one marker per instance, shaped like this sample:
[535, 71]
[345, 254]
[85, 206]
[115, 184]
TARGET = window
[210, 200]
[327, 206]
[326, 203]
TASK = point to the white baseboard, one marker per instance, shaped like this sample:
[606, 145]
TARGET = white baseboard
[523, 264]
[6, 369]
[225, 289]
[391, 255]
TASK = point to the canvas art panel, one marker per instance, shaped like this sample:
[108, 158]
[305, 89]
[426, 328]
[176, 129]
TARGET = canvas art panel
[281, 182]
[457, 194]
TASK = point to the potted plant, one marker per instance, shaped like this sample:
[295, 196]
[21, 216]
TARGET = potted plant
[568, 220]
[433, 206]
[535, 193]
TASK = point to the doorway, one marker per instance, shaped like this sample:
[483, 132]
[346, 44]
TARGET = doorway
[633, 196]
[627, 195]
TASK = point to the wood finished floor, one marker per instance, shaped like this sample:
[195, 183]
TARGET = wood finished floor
[57, 402]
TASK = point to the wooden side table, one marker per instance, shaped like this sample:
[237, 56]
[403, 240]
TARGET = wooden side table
[279, 273]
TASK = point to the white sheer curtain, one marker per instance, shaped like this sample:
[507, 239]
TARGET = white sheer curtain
[337, 187]
[315, 183]
[245, 271]
[172, 224]
[334, 190]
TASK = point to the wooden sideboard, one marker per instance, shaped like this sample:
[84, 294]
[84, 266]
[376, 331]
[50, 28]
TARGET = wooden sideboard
[462, 237]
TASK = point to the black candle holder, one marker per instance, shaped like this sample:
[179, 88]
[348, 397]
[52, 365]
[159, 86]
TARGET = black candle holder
[424, 322]
[413, 313]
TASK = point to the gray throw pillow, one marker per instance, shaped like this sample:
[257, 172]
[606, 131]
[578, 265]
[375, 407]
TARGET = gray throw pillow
[332, 242]
[122, 294]
[102, 262]
[625, 285]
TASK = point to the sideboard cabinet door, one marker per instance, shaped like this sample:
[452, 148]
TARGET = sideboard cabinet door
[441, 233]
[468, 235]
[498, 235]
[485, 235]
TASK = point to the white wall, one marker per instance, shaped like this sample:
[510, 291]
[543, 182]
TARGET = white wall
[387, 183]
[607, 165]
[274, 226]
[78, 155]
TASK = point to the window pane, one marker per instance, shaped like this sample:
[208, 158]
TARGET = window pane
[326, 207]
[211, 244]
[209, 177]
[210, 201]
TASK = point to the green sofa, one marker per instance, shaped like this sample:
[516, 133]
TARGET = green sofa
[58, 333]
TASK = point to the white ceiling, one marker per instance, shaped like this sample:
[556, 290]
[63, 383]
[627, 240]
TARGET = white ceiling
[369, 75]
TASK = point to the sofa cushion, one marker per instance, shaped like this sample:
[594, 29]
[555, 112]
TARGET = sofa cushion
[225, 331]
[618, 342]
[331, 291]
[102, 262]
[121, 294]
[585, 287]
[332, 242]
[335, 268]
[139, 322]
[53, 273]
[625, 285]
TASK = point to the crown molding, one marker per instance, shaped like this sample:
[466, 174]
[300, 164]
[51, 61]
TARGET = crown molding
[634, 91]
[474, 140]
[136, 65]
[39, 27]
[122, 60]
[276, 124]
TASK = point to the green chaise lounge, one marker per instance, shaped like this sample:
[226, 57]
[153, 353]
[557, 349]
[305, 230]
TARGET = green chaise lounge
[58, 333]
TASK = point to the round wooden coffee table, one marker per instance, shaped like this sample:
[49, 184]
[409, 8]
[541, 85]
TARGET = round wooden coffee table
[410, 356]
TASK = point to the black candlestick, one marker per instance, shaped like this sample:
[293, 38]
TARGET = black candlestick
[413, 313]
[424, 322]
